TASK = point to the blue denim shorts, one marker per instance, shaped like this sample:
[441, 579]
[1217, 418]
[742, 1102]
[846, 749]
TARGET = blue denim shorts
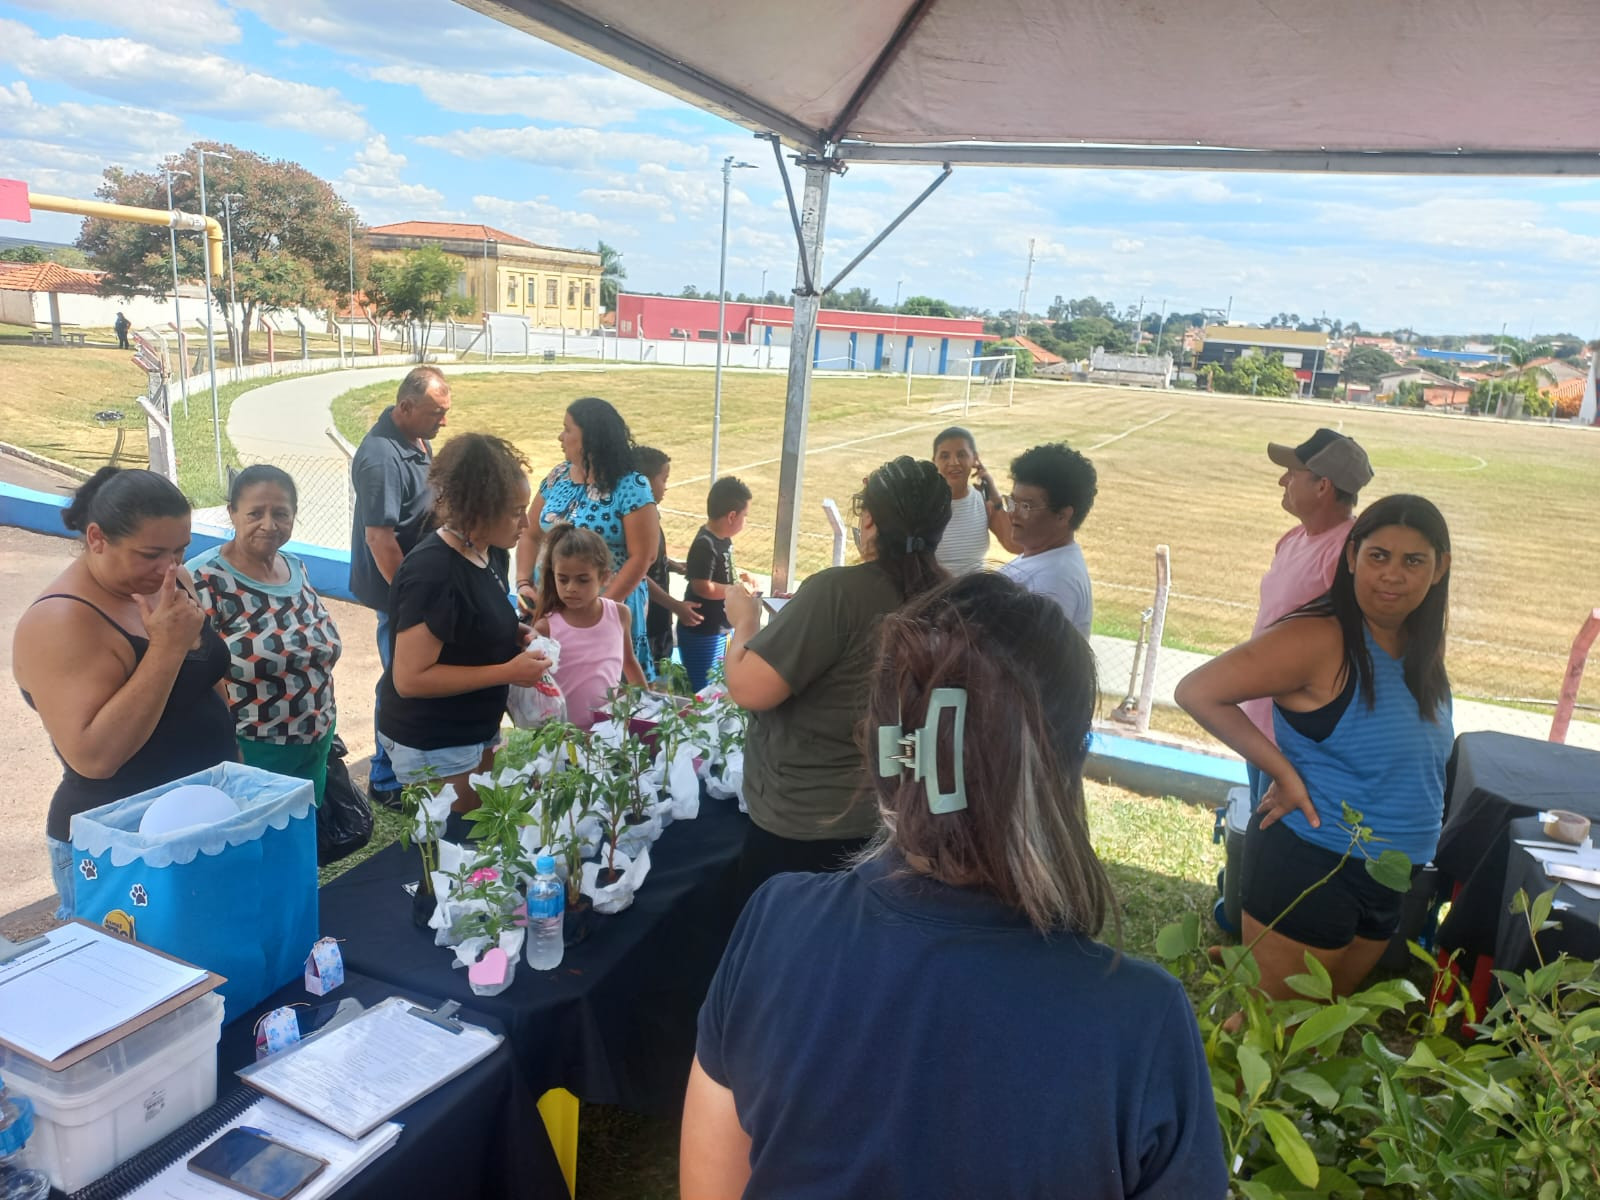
[61, 875]
[418, 766]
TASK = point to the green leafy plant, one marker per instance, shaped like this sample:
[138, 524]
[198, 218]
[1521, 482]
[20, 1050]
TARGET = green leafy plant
[1370, 1096]
[673, 678]
[488, 882]
[415, 801]
[505, 803]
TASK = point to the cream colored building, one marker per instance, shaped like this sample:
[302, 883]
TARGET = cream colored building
[554, 288]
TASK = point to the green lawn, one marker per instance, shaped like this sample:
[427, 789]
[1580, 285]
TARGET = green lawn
[1184, 469]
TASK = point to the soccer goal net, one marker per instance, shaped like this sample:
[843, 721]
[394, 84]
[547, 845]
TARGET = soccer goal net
[984, 380]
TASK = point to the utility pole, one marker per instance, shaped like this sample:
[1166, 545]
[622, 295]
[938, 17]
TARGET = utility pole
[1161, 328]
[1138, 327]
[177, 307]
[233, 296]
[1027, 282]
[211, 343]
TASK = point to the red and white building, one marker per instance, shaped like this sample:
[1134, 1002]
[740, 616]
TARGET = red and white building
[856, 341]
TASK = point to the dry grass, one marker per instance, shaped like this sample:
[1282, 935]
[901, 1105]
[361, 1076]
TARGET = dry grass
[1180, 468]
[52, 394]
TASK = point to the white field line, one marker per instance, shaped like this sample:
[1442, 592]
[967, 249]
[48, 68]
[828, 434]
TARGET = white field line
[1119, 436]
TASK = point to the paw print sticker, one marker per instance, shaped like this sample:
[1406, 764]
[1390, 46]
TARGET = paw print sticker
[87, 869]
[138, 895]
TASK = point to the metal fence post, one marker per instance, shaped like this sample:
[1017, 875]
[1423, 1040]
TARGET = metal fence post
[1158, 624]
[836, 523]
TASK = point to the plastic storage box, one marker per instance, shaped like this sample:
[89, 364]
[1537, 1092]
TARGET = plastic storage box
[100, 1112]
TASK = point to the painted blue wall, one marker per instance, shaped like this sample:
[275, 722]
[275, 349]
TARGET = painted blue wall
[40, 512]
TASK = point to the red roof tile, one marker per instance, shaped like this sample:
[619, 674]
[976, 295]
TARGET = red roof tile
[1041, 356]
[48, 277]
[449, 229]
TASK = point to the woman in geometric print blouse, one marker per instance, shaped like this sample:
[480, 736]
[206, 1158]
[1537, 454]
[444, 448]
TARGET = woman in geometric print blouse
[281, 641]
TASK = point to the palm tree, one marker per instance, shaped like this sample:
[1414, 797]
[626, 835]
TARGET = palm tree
[1519, 364]
[611, 276]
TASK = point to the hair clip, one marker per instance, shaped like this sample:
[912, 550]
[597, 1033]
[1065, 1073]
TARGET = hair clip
[918, 751]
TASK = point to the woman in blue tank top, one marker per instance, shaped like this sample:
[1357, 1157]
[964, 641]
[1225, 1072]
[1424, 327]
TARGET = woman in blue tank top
[1362, 716]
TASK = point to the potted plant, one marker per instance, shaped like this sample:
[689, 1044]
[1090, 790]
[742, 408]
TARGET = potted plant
[490, 932]
[505, 803]
[426, 810]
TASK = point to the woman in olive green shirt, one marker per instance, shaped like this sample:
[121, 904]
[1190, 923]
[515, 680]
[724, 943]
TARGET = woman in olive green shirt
[804, 676]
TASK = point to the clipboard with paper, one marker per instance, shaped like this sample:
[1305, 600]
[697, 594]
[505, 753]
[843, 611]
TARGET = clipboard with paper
[355, 1075]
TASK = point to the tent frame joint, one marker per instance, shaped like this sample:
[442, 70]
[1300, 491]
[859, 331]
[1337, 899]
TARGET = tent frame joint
[809, 286]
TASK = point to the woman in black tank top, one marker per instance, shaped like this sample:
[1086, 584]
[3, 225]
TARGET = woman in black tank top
[119, 660]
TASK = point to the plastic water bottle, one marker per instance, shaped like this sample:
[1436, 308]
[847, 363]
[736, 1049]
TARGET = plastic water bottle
[17, 1181]
[547, 903]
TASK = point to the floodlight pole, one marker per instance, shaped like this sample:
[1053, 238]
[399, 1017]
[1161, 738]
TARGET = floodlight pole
[211, 343]
[233, 296]
[177, 306]
[728, 167]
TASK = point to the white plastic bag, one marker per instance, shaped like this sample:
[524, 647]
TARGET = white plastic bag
[531, 707]
[617, 896]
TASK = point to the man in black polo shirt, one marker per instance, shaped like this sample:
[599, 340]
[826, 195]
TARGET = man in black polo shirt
[393, 505]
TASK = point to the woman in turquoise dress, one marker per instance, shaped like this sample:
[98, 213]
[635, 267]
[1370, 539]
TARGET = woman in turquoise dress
[598, 488]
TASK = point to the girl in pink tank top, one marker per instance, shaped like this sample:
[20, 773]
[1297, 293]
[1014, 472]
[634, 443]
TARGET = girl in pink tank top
[594, 632]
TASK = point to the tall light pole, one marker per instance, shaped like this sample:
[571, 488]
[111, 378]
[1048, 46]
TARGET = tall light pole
[177, 306]
[211, 343]
[350, 230]
[763, 285]
[233, 296]
[728, 166]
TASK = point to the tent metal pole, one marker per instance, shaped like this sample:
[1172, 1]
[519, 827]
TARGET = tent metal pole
[797, 405]
[804, 286]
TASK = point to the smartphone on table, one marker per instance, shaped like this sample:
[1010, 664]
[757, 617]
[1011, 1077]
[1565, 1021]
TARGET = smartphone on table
[249, 1161]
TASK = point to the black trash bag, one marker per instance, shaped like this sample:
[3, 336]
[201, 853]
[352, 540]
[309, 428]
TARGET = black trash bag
[344, 822]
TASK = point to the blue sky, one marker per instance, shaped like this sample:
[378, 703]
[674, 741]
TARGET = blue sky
[423, 109]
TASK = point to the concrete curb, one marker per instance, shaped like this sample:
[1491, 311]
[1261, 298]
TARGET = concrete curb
[40, 460]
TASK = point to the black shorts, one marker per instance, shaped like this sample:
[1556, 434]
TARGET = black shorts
[1279, 865]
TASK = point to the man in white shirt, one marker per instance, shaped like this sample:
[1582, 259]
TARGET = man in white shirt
[1052, 490]
[1321, 480]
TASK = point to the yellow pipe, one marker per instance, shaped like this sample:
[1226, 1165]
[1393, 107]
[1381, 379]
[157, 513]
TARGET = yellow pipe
[138, 216]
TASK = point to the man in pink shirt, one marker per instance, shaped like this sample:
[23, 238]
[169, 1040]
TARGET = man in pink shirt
[1321, 479]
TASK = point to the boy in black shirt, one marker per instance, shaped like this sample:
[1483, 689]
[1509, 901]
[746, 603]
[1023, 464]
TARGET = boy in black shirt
[710, 571]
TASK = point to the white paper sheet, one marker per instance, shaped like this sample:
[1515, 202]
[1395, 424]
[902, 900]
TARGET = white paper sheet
[80, 983]
[355, 1076]
[344, 1156]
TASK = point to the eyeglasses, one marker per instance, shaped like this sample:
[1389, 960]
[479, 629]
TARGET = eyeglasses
[1026, 507]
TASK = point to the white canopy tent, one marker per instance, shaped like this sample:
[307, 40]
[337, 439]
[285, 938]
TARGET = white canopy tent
[1488, 87]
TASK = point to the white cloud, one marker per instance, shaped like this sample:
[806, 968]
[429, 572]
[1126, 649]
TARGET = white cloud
[540, 221]
[123, 69]
[171, 23]
[567, 147]
[431, 32]
[572, 99]
[375, 183]
[119, 128]
[1505, 226]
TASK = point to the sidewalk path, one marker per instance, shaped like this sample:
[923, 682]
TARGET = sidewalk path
[286, 424]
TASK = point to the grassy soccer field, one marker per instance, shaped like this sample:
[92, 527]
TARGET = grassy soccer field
[1180, 468]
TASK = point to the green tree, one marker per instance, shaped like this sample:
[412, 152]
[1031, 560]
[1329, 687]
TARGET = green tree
[1252, 375]
[282, 210]
[1365, 363]
[1409, 395]
[1022, 358]
[420, 287]
[22, 254]
[612, 274]
[926, 306]
[1509, 395]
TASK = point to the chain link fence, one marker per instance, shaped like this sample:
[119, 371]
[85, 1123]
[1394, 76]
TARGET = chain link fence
[322, 482]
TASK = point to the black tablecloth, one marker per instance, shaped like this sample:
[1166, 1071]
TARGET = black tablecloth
[1497, 779]
[615, 1022]
[477, 1136]
[1579, 925]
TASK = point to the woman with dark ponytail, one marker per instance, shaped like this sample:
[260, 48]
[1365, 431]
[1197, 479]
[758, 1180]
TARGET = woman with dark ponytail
[804, 677]
[118, 658]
